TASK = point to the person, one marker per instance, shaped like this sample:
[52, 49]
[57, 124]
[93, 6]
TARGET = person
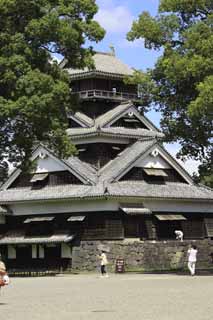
[179, 235]
[192, 258]
[4, 279]
[104, 262]
[114, 91]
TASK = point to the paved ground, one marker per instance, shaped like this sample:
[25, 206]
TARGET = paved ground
[119, 297]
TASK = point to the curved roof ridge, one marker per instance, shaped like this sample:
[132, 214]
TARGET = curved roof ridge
[138, 133]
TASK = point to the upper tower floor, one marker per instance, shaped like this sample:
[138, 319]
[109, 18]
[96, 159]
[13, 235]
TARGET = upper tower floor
[105, 82]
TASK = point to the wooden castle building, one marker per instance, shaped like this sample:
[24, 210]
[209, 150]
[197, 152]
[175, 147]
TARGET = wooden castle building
[123, 185]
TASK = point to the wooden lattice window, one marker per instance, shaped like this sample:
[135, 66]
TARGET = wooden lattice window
[114, 229]
[193, 229]
[131, 227]
[209, 227]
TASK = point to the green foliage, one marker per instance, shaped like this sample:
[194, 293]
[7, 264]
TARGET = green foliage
[205, 175]
[180, 85]
[34, 90]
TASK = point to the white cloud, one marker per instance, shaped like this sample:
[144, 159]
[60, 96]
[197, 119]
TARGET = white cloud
[114, 19]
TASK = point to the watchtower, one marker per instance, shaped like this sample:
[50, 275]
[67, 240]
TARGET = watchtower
[102, 88]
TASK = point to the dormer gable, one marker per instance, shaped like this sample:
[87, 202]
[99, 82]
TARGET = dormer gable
[46, 165]
[156, 166]
[125, 115]
[145, 159]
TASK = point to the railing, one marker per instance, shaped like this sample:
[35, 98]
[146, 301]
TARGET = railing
[106, 94]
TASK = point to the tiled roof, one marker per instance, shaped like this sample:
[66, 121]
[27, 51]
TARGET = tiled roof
[81, 131]
[77, 133]
[112, 114]
[98, 126]
[82, 168]
[113, 169]
[105, 63]
[3, 210]
[172, 190]
[84, 118]
[46, 193]
[12, 238]
[120, 110]
[122, 189]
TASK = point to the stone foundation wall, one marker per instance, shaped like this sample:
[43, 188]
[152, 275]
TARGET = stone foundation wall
[142, 256]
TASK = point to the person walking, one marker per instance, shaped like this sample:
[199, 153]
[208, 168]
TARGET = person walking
[104, 262]
[192, 258]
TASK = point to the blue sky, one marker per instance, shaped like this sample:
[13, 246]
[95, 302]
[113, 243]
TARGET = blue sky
[116, 17]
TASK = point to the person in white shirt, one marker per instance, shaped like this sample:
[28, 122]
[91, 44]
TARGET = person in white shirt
[179, 235]
[104, 262]
[192, 258]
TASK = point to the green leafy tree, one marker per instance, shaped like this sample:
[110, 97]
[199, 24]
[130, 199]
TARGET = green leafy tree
[180, 85]
[34, 90]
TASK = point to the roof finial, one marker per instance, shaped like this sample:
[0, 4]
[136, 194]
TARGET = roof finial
[112, 48]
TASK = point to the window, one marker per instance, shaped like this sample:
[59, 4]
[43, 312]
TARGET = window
[131, 227]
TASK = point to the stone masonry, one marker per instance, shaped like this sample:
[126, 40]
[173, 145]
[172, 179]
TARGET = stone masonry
[142, 256]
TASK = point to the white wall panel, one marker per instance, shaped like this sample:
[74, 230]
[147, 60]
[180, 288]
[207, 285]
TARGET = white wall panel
[153, 162]
[48, 165]
[56, 207]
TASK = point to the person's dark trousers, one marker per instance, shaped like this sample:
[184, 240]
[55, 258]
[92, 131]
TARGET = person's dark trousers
[103, 270]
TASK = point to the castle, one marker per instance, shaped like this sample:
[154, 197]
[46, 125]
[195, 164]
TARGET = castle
[122, 187]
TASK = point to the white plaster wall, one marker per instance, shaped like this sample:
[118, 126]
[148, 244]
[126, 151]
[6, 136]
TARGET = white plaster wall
[179, 206]
[153, 162]
[48, 165]
[69, 207]
[110, 205]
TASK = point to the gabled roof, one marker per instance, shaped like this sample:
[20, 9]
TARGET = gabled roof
[171, 190]
[75, 166]
[84, 168]
[123, 189]
[124, 160]
[82, 119]
[102, 125]
[105, 64]
[127, 159]
[110, 117]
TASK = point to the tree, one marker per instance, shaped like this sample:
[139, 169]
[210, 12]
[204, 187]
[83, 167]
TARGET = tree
[180, 85]
[34, 91]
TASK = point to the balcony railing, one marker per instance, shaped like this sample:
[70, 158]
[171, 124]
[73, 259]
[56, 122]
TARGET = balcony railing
[100, 94]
